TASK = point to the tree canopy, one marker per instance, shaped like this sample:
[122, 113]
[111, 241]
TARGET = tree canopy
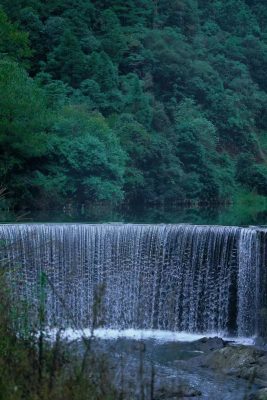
[148, 101]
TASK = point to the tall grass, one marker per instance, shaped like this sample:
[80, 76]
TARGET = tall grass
[33, 368]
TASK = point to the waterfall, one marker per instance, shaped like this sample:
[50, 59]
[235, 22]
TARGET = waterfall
[169, 277]
[248, 281]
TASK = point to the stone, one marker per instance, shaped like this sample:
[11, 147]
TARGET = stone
[259, 395]
[261, 342]
[233, 357]
[183, 391]
[245, 362]
[209, 344]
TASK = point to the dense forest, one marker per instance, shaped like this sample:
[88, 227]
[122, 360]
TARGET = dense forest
[148, 101]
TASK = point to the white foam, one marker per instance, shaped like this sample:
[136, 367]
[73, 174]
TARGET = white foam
[247, 341]
[138, 334]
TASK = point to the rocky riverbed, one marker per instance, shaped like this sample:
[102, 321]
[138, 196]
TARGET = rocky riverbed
[209, 368]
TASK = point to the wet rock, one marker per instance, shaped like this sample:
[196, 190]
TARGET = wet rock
[209, 344]
[233, 357]
[261, 342]
[259, 395]
[183, 391]
[261, 373]
[241, 361]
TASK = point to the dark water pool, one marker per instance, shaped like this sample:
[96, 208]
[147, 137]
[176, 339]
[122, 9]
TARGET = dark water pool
[231, 215]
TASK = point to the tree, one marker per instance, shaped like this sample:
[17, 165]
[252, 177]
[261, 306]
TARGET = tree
[196, 140]
[132, 12]
[136, 101]
[177, 88]
[179, 13]
[90, 161]
[251, 175]
[113, 39]
[24, 123]
[103, 71]
[67, 62]
[13, 43]
[136, 142]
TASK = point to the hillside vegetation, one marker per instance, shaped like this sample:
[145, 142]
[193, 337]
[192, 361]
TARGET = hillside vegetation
[132, 101]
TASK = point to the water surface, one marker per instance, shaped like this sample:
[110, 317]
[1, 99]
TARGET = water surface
[232, 215]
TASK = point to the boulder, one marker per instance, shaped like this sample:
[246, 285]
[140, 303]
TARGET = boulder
[259, 395]
[245, 362]
[209, 344]
[183, 391]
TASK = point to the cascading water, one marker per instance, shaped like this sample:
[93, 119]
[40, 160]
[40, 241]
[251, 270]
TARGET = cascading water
[248, 282]
[171, 277]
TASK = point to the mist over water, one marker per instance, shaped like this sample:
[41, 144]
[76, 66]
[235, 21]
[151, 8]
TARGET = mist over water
[180, 278]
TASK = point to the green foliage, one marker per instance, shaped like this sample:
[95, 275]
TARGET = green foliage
[67, 62]
[136, 101]
[148, 101]
[114, 40]
[103, 71]
[24, 120]
[136, 142]
[13, 43]
[89, 161]
[251, 175]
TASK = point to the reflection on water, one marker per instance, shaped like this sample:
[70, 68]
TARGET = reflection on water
[232, 215]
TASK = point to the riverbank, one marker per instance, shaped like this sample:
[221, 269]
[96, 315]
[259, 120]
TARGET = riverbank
[208, 368]
[203, 369]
